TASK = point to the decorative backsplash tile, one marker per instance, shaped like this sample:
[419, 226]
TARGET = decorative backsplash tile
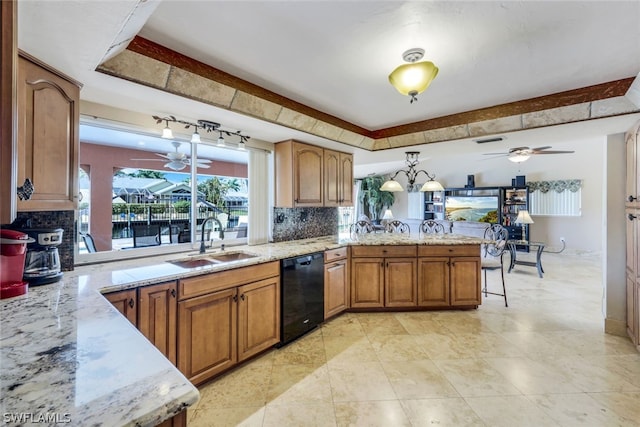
[303, 223]
[55, 219]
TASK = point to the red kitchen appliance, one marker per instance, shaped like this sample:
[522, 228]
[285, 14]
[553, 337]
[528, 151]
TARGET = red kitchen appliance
[13, 249]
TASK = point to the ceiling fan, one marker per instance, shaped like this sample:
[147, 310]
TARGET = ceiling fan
[177, 160]
[520, 154]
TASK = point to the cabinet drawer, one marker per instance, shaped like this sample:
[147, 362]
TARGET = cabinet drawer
[449, 250]
[335, 254]
[384, 251]
[200, 285]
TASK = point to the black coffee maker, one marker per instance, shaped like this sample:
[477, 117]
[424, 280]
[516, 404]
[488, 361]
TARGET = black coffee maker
[42, 261]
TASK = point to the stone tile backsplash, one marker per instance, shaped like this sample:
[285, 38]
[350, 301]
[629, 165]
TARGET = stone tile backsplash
[303, 223]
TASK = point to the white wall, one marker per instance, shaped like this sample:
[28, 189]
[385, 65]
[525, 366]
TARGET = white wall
[582, 234]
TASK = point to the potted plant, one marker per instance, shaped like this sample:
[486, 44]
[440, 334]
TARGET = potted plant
[375, 201]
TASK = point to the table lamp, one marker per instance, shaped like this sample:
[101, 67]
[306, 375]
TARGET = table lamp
[388, 216]
[523, 218]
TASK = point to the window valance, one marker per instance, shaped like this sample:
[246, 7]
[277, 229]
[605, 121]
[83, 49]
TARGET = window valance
[558, 186]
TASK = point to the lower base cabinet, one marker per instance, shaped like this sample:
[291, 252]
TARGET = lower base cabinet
[157, 317]
[336, 282]
[222, 328]
[126, 303]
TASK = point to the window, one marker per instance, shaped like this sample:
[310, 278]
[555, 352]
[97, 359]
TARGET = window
[133, 201]
[555, 198]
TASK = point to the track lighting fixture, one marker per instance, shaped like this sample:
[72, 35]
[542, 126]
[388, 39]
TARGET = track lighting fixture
[207, 125]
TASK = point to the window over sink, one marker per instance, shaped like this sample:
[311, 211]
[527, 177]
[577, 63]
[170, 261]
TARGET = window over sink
[135, 198]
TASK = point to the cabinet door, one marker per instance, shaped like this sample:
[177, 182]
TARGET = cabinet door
[367, 282]
[632, 159]
[48, 125]
[632, 307]
[336, 289]
[345, 180]
[125, 303]
[332, 183]
[207, 335]
[433, 282]
[258, 316]
[465, 281]
[307, 175]
[400, 289]
[157, 317]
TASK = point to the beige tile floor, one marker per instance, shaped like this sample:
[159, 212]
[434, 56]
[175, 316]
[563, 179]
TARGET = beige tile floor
[543, 361]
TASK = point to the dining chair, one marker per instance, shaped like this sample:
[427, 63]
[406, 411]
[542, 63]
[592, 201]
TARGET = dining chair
[493, 249]
[429, 226]
[396, 226]
[146, 235]
[88, 242]
[360, 227]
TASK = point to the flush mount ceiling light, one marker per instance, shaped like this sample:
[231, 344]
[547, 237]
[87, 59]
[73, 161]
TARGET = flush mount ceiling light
[412, 174]
[207, 125]
[415, 77]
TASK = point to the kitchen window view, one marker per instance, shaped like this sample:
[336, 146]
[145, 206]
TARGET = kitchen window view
[125, 207]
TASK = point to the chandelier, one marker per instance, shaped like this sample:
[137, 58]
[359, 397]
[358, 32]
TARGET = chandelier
[412, 173]
[415, 77]
[207, 125]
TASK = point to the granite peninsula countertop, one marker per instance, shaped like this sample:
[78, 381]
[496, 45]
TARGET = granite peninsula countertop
[68, 356]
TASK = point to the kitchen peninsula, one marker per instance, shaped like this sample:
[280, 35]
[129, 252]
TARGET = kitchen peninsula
[66, 352]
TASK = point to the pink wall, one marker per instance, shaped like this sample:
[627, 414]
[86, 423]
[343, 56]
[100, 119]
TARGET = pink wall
[100, 162]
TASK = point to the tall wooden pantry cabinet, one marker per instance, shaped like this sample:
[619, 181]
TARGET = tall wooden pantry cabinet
[632, 214]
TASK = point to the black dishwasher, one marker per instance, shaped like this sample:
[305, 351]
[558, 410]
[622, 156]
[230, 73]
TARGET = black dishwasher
[302, 295]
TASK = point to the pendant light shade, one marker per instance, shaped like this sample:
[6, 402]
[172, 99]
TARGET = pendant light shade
[518, 158]
[196, 136]
[391, 185]
[415, 77]
[432, 185]
[167, 133]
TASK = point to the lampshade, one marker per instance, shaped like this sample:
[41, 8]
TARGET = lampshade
[221, 142]
[432, 185]
[518, 158]
[391, 185]
[524, 217]
[195, 137]
[167, 133]
[387, 214]
[415, 77]
[242, 146]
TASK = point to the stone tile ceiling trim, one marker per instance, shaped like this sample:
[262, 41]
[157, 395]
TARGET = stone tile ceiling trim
[183, 82]
[143, 62]
[554, 116]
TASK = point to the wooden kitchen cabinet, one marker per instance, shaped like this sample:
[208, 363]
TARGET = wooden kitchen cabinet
[338, 176]
[336, 282]
[48, 106]
[158, 315]
[207, 335]
[258, 317]
[383, 276]
[433, 282]
[299, 174]
[125, 303]
[227, 317]
[449, 275]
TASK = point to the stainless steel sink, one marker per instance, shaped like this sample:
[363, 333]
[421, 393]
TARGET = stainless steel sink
[230, 256]
[192, 263]
[212, 259]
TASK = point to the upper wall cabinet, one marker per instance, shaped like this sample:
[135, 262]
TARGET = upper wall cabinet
[48, 124]
[338, 178]
[309, 176]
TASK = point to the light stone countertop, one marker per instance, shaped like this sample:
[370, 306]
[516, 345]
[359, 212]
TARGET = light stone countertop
[66, 353]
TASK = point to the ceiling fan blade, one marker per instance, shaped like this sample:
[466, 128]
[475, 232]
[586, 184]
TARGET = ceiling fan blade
[204, 161]
[546, 147]
[203, 166]
[164, 156]
[495, 154]
[151, 160]
[175, 165]
[552, 152]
